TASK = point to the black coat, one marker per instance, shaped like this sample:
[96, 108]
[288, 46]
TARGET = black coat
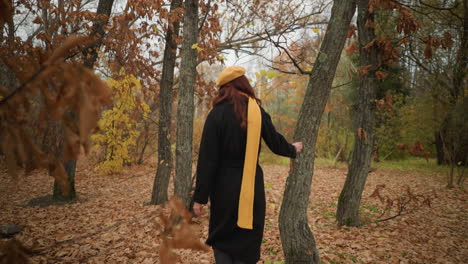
[219, 176]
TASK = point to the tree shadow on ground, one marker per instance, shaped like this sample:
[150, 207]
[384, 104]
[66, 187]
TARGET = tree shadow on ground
[50, 200]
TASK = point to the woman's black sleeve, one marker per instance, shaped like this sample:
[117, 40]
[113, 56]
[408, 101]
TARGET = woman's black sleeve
[274, 140]
[208, 159]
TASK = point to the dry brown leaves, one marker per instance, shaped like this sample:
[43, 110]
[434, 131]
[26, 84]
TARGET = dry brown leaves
[6, 11]
[388, 54]
[68, 45]
[361, 133]
[111, 224]
[369, 24]
[433, 43]
[364, 70]
[385, 104]
[351, 49]
[13, 251]
[178, 233]
[68, 93]
[351, 31]
[406, 22]
[404, 203]
[381, 75]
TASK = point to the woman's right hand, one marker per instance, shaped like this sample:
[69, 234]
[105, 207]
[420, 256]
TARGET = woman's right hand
[298, 146]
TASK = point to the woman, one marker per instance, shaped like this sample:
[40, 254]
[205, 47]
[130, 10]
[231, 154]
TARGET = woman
[228, 173]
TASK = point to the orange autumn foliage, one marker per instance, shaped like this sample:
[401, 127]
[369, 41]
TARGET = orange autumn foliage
[178, 233]
[72, 94]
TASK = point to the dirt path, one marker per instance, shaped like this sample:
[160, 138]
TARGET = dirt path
[110, 223]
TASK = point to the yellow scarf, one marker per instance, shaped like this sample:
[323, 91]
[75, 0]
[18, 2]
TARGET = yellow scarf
[246, 199]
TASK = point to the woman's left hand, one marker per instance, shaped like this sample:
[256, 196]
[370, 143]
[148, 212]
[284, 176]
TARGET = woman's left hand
[198, 209]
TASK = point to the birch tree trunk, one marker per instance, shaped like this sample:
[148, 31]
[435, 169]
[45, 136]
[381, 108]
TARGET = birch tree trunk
[297, 239]
[163, 172]
[185, 106]
[350, 198]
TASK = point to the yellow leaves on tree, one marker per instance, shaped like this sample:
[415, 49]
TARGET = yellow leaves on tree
[119, 125]
[195, 46]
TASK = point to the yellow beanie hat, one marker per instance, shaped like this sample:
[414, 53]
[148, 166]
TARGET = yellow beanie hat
[229, 74]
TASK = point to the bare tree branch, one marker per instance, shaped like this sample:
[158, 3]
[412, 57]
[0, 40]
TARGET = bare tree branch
[286, 51]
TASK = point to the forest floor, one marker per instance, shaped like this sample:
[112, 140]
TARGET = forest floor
[110, 223]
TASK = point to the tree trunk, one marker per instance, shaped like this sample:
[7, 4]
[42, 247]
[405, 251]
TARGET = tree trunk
[163, 172]
[104, 8]
[297, 239]
[70, 168]
[103, 13]
[185, 106]
[52, 144]
[459, 71]
[8, 78]
[146, 140]
[440, 154]
[350, 198]
[457, 91]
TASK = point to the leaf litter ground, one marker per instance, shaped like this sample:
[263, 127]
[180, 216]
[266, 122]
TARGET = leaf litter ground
[110, 223]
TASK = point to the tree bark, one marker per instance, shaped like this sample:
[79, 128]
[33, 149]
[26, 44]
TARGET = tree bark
[104, 8]
[457, 92]
[297, 239]
[350, 198]
[163, 172]
[103, 13]
[440, 154]
[8, 78]
[185, 106]
[459, 71]
[70, 168]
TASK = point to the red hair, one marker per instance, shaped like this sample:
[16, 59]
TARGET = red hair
[229, 92]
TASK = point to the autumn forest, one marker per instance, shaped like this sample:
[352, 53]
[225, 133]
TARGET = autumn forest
[103, 105]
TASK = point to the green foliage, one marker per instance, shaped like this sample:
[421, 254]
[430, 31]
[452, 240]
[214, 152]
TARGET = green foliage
[336, 136]
[417, 122]
[391, 93]
[273, 262]
[328, 213]
[392, 96]
[412, 164]
[281, 96]
[388, 130]
[269, 158]
[371, 208]
[393, 84]
[455, 133]
[120, 124]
